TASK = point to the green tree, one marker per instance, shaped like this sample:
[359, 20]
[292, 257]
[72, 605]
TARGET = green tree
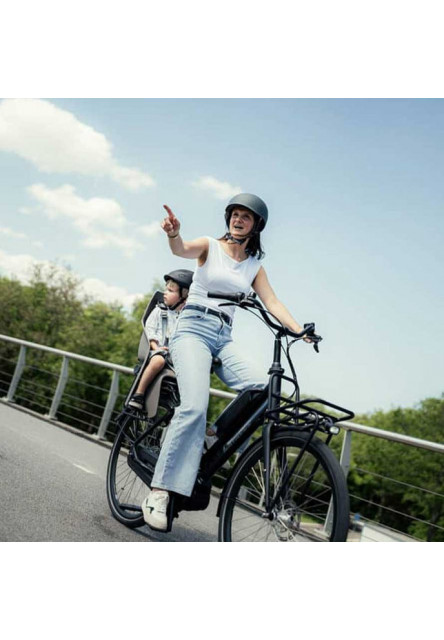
[409, 466]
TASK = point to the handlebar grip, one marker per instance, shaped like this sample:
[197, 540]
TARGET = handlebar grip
[233, 297]
[308, 328]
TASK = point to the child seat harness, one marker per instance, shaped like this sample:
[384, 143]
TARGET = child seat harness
[164, 314]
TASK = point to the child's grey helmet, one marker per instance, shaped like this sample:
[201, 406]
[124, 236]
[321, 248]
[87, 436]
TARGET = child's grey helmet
[252, 203]
[183, 277]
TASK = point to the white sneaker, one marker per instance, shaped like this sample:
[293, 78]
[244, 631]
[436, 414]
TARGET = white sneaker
[154, 509]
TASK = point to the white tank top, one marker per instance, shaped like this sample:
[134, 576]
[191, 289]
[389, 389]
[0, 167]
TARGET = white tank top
[221, 274]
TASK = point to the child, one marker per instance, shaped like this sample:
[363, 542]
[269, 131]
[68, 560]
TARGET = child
[159, 332]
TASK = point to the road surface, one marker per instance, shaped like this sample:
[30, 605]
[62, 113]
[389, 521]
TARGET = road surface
[52, 488]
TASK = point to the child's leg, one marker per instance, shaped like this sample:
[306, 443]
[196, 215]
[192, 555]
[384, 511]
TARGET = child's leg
[155, 365]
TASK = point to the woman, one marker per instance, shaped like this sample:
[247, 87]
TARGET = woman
[228, 265]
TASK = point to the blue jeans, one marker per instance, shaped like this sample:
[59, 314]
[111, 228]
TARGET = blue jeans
[197, 338]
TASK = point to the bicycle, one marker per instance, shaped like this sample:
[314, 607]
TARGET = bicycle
[286, 486]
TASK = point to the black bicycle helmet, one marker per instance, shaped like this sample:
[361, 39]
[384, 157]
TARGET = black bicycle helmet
[252, 203]
[183, 277]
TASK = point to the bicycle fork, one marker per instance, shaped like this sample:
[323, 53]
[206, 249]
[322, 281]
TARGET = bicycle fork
[266, 439]
[274, 396]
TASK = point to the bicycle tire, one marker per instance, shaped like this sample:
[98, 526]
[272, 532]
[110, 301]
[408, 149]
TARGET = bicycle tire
[125, 490]
[315, 509]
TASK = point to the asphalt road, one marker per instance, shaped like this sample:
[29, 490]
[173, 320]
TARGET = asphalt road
[52, 488]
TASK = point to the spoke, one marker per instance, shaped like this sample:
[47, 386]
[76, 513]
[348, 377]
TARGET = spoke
[260, 480]
[300, 512]
[251, 508]
[261, 525]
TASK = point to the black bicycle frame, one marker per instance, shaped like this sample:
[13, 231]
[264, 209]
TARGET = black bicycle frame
[274, 394]
[234, 426]
[265, 411]
[250, 409]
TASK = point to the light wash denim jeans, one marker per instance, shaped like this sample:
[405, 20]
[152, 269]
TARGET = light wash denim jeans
[197, 338]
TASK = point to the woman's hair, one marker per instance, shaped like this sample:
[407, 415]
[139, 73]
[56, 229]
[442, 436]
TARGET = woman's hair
[254, 247]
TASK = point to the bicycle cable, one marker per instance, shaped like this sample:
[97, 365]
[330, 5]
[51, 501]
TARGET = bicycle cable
[286, 352]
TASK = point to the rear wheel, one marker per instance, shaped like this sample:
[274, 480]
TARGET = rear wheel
[314, 505]
[124, 488]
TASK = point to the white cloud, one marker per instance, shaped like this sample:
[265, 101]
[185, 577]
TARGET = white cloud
[132, 179]
[218, 189]
[21, 267]
[107, 293]
[151, 230]
[101, 221]
[55, 141]
[64, 202]
[10, 233]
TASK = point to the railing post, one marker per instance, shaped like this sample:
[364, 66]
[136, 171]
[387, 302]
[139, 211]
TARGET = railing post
[112, 397]
[17, 374]
[344, 460]
[63, 378]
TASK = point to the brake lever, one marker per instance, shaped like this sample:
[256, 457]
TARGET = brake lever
[311, 334]
[316, 342]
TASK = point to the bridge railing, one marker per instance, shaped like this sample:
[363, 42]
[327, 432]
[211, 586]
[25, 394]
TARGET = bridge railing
[55, 398]
[48, 381]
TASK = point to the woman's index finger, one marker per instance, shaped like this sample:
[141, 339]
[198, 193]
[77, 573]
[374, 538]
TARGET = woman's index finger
[168, 210]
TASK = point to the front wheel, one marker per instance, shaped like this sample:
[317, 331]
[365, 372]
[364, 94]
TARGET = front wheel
[314, 505]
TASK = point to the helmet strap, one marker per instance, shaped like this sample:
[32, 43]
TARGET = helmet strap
[182, 299]
[230, 238]
[173, 307]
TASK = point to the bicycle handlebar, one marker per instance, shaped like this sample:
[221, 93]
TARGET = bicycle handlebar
[241, 300]
[234, 297]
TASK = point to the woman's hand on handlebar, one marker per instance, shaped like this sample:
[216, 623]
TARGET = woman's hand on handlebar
[312, 337]
[241, 300]
[170, 224]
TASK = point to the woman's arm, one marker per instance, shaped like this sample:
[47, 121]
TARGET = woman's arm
[263, 289]
[194, 249]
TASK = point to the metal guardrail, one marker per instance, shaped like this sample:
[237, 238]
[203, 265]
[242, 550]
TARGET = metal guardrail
[113, 392]
[112, 395]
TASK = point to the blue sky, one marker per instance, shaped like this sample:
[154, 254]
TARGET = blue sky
[355, 194]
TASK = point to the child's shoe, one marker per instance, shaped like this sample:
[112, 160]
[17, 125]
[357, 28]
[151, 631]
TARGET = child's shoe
[137, 401]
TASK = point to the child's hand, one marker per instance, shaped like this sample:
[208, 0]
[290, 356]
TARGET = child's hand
[170, 224]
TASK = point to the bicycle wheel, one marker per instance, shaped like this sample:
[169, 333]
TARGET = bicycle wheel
[124, 488]
[314, 505]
